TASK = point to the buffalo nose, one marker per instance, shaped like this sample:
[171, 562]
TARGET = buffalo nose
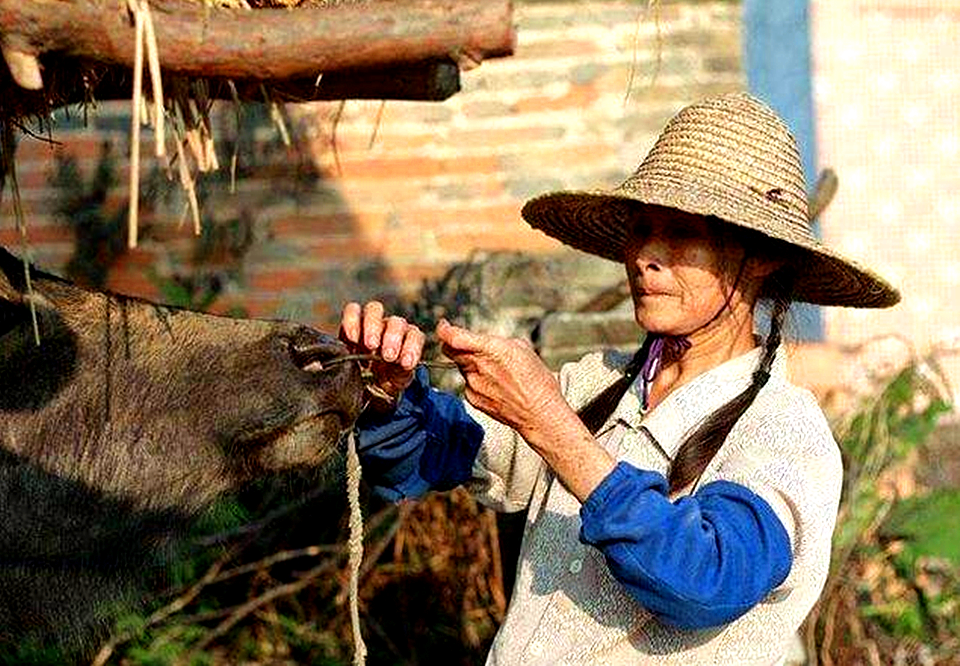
[310, 349]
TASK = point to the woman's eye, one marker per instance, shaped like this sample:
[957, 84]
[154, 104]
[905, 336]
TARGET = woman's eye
[640, 230]
[688, 232]
[683, 233]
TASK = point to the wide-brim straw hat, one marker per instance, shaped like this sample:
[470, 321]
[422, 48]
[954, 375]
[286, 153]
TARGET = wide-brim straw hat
[730, 157]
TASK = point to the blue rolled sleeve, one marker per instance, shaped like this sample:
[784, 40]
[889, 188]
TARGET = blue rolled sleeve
[697, 562]
[428, 443]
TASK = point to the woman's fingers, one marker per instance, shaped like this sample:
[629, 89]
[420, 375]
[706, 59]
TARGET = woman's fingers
[456, 339]
[350, 323]
[412, 348]
[372, 324]
[394, 338]
[362, 325]
[402, 342]
[394, 332]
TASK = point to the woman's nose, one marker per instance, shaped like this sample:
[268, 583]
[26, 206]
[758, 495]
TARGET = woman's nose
[650, 255]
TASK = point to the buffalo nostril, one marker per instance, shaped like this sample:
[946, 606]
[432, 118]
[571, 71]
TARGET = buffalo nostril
[310, 349]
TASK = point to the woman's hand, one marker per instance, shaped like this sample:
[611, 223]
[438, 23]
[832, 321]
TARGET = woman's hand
[504, 377]
[396, 341]
[507, 380]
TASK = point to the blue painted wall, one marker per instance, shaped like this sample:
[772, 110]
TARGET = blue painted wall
[776, 39]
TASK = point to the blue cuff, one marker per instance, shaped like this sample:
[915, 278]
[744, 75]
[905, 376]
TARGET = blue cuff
[428, 443]
[701, 561]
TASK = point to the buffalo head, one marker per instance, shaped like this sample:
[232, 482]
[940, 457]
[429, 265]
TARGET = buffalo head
[130, 416]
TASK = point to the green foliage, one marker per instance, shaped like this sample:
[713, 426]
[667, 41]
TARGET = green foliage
[882, 433]
[928, 525]
[29, 653]
[187, 291]
[169, 648]
[896, 559]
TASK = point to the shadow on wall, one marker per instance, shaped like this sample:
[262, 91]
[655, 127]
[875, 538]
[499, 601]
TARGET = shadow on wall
[264, 216]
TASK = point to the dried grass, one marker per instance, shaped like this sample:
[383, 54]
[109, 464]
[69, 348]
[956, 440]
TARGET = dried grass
[652, 7]
[8, 168]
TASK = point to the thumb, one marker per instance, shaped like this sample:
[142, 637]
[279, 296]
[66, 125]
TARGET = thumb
[459, 339]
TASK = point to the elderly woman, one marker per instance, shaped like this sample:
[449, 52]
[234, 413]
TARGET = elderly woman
[681, 501]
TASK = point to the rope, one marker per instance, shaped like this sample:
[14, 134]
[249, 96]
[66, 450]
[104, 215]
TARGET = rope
[355, 544]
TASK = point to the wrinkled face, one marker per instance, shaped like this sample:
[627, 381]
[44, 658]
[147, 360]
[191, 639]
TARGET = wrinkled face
[684, 274]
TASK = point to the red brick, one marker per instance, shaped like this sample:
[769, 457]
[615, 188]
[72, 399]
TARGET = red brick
[30, 150]
[413, 275]
[34, 178]
[10, 236]
[576, 97]
[257, 306]
[132, 283]
[390, 246]
[520, 239]
[412, 167]
[496, 137]
[362, 194]
[562, 48]
[137, 260]
[328, 224]
[356, 141]
[439, 181]
[562, 155]
[90, 146]
[464, 218]
[281, 279]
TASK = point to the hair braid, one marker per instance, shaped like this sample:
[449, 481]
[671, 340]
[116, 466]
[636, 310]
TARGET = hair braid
[697, 450]
[596, 412]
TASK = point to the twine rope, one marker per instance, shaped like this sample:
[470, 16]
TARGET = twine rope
[355, 543]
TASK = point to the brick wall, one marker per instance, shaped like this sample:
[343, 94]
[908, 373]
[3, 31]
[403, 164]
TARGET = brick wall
[410, 188]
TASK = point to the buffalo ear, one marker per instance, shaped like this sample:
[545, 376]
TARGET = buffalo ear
[13, 312]
[11, 279]
[12, 315]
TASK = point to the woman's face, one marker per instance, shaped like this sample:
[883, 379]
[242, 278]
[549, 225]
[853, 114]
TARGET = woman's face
[682, 273]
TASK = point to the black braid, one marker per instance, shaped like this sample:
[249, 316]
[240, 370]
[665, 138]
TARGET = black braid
[696, 452]
[596, 412]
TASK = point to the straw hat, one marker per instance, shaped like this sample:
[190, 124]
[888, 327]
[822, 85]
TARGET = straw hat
[730, 157]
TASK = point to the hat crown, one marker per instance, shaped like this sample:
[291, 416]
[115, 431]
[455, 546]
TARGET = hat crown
[731, 148]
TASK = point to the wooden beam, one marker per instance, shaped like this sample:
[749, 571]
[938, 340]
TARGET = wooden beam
[265, 44]
[77, 81]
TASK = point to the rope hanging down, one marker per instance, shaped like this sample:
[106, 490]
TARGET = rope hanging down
[355, 544]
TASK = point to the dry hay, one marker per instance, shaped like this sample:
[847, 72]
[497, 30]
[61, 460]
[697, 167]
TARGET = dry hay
[175, 102]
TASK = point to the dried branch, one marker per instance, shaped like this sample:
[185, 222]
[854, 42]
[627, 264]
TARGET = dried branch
[245, 609]
[175, 606]
[306, 579]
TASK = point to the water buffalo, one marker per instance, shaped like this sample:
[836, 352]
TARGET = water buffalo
[126, 420]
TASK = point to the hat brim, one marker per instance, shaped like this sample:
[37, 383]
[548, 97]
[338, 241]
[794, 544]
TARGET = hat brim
[600, 222]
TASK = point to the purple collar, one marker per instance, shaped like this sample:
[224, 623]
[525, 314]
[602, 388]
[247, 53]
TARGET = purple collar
[672, 347]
